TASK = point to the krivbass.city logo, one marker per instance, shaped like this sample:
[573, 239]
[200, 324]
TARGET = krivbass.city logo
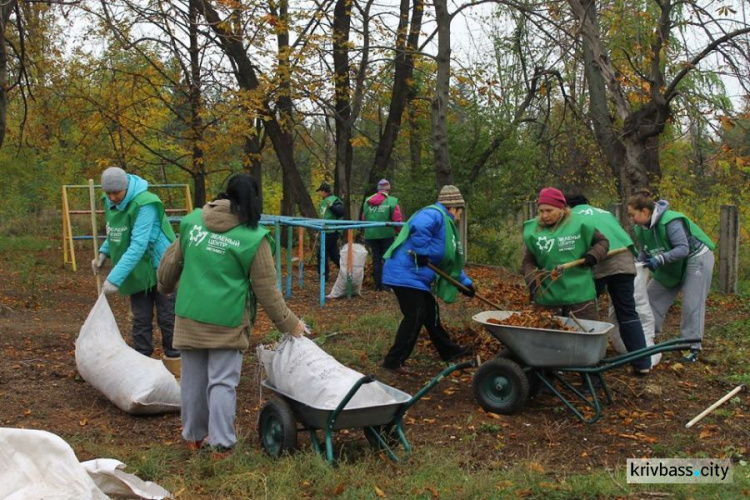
[679, 470]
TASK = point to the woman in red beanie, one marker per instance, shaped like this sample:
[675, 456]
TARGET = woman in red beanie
[556, 237]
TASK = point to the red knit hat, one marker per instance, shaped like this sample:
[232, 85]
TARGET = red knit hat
[551, 196]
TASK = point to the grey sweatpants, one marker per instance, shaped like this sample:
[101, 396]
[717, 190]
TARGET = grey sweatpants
[695, 288]
[209, 398]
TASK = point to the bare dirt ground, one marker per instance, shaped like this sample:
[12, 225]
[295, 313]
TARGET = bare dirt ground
[43, 306]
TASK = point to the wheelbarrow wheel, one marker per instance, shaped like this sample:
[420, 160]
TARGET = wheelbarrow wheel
[535, 385]
[386, 432]
[501, 386]
[277, 428]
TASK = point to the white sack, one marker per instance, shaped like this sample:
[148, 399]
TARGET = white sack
[643, 308]
[135, 383]
[36, 465]
[359, 253]
[305, 372]
[110, 476]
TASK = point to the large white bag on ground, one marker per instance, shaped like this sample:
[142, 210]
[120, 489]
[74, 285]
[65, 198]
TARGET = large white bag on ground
[643, 308]
[359, 253]
[135, 383]
[299, 368]
[36, 465]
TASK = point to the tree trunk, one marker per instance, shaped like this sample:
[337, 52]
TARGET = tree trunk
[5, 9]
[443, 171]
[281, 137]
[342, 106]
[406, 47]
[196, 106]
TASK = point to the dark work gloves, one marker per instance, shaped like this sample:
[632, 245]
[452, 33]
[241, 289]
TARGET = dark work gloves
[468, 290]
[422, 260]
[589, 260]
[653, 263]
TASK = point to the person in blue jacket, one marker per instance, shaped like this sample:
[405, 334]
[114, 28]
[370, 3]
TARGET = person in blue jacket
[138, 233]
[430, 236]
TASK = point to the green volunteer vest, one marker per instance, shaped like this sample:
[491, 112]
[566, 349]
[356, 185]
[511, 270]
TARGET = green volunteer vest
[551, 247]
[654, 241]
[380, 213]
[219, 268]
[453, 257]
[607, 224]
[324, 211]
[119, 227]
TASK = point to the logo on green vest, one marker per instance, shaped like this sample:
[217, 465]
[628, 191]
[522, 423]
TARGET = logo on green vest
[115, 233]
[545, 244]
[197, 235]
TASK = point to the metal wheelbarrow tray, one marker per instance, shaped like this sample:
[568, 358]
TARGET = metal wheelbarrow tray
[382, 424]
[538, 357]
[546, 348]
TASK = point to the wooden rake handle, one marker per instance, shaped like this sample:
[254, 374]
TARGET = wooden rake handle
[578, 262]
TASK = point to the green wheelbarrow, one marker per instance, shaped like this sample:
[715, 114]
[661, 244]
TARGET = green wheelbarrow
[539, 357]
[382, 425]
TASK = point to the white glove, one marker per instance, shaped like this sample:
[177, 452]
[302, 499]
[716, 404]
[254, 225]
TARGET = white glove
[96, 264]
[109, 287]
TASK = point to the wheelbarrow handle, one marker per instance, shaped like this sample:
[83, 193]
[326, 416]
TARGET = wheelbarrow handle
[578, 262]
[458, 285]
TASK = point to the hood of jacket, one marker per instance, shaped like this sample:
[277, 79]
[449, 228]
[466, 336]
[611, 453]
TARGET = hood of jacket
[377, 199]
[218, 217]
[136, 186]
[660, 207]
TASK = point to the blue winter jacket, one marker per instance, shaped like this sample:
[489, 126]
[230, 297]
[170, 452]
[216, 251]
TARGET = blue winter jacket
[146, 234]
[426, 237]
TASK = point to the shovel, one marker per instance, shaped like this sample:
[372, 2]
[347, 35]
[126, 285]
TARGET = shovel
[458, 285]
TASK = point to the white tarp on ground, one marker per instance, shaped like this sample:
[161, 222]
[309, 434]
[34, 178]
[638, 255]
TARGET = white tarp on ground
[359, 253]
[304, 371]
[39, 465]
[643, 308]
[135, 383]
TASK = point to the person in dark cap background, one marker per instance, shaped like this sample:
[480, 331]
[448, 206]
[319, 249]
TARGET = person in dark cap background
[617, 275]
[429, 237]
[330, 208]
[380, 207]
[556, 237]
[138, 233]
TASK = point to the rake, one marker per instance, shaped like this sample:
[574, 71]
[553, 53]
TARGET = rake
[548, 277]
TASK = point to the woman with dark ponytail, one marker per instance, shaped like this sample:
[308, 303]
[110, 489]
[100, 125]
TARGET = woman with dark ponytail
[223, 260]
[680, 257]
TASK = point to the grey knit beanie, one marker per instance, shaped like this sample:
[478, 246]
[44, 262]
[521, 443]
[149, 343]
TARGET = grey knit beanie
[114, 179]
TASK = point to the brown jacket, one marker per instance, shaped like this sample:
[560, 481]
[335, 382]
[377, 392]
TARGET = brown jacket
[191, 334]
[621, 263]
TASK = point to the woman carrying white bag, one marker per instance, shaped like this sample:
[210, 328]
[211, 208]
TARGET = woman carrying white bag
[224, 262]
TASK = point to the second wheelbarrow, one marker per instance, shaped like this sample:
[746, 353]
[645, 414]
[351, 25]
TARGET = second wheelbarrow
[537, 357]
[382, 425]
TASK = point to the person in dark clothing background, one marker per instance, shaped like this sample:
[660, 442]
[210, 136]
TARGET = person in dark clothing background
[330, 208]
